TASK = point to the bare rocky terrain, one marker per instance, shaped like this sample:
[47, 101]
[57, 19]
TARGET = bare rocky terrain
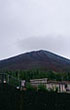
[36, 60]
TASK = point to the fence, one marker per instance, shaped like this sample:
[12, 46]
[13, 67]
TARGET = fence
[6, 78]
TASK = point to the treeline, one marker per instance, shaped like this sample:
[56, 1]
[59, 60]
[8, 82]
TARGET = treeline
[36, 74]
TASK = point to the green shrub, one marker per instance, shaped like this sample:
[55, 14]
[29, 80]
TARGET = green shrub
[56, 89]
[52, 90]
[42, 87]
[30, 87]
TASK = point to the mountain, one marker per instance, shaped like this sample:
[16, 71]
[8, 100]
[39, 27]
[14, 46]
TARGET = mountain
[44, 60]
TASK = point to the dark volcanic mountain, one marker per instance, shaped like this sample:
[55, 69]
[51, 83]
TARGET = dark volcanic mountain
[36, 60]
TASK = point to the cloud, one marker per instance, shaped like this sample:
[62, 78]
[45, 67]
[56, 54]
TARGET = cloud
[57, 44]
[21, 19]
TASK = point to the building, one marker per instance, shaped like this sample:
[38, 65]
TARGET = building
[61, 86]
[56, 85]
[36, 82]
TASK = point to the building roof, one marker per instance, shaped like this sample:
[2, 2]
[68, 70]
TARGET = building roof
[43, 79]
[58, 82]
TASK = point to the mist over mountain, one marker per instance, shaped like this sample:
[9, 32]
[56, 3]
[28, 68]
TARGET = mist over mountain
[41, 59]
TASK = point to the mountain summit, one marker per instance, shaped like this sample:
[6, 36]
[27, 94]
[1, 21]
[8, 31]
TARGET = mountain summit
[44, 60]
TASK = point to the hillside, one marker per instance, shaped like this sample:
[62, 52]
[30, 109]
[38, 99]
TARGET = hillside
[36, 60]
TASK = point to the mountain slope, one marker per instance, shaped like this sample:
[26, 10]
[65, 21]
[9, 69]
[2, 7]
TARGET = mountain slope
[36, 59]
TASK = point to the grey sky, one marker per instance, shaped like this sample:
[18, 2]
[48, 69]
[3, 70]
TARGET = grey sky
[34, 24]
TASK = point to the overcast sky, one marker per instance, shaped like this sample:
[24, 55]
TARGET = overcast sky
[27, 25]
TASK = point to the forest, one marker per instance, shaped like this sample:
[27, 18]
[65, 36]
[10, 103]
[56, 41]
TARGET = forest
[36, 74]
